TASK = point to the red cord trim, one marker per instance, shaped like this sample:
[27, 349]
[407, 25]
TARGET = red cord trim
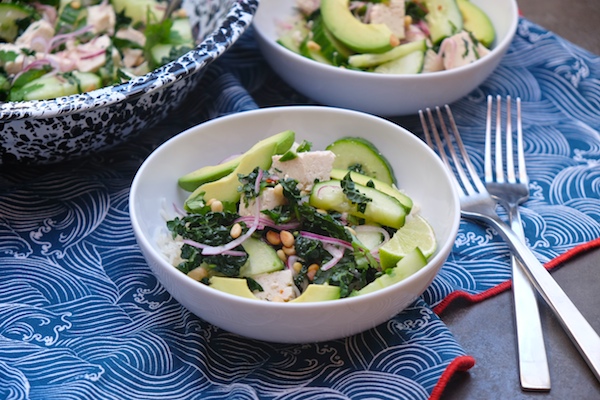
[474, 298]
[459, 364]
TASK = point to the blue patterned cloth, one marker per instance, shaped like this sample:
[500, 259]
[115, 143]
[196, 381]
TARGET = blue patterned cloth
[81, 315]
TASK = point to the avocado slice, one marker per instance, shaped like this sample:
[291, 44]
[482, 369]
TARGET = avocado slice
[315, 292]
[411, 263]
[358, 36]
[190, 182]
[235, 286]
[226, 188]
[477, 22]
[384, 187]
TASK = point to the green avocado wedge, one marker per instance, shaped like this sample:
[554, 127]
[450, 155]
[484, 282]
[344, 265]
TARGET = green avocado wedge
[411, 263]
[225, 189]
[235, 286]
[477, 22]
[190, 182]
[356, 35]
[316, 292]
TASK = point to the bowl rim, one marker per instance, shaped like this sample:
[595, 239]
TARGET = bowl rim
[144, 243]
[499, 47]
[239, 15]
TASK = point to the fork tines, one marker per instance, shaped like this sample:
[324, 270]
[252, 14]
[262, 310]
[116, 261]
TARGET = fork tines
[499, 170]
[448, 145]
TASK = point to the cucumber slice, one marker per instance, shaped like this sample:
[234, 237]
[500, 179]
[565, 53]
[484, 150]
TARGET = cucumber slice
[183, 28]
[411, 63]
[52, 86]
[307, 50]
[382, 209]
[386, 188]
[368, 60]
[360, 155]
[444, 19]
[10, 14]
[262, 258]
[293, 38]
[139, 10]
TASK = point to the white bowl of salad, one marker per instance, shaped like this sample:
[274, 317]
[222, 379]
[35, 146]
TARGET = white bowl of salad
[295, 224]
[79, 76]
[387, 58]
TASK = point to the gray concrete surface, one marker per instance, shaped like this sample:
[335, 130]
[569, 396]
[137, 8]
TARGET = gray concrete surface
[495, 375]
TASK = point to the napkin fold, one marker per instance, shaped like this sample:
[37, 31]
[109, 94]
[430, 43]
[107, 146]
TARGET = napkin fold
[82, 316]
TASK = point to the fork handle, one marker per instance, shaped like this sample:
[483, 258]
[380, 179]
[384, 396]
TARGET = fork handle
[534, 373]
[581, 333]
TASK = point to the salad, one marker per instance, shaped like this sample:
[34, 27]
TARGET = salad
[53, 48]
[389, 36]
[283, 222]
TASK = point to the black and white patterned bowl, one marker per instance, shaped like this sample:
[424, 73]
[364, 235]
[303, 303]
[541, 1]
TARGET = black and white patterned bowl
[49, 131]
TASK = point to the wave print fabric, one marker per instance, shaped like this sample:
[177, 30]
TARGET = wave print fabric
[82, 317]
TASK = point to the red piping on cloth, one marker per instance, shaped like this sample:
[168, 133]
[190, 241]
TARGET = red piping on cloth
[474, 298]
[464, 363]
[459, 364]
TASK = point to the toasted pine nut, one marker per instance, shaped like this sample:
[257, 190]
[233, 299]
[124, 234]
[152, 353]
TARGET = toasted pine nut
[321, 211]
[407, 20]
[216, 206]
[76, 5]
[394, 41]
[297, 267]
[210, 201]
[273, 238]
[281, 255]
[278, 190]
[198, 273]
[287, 238]
[236, 231]
[311, 45]
[288, 251]
[312, 271]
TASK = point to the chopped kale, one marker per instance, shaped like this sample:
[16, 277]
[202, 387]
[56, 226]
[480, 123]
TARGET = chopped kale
[355, 196]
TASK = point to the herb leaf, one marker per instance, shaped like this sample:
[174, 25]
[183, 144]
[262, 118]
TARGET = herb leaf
[353, 194]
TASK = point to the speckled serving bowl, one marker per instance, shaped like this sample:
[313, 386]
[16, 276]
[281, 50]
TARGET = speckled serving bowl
[49, 131]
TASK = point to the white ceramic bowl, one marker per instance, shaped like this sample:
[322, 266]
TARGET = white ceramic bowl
[419, 171]
[385, 95]
[54, 130]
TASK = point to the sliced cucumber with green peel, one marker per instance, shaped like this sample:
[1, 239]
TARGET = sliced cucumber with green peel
[53, 86]
[293, 38]
[10, 14]
[384, 187]
[444, 19]
[360, 155]
[411, 63]
[381, 209]
[369, 60]
[262, 258]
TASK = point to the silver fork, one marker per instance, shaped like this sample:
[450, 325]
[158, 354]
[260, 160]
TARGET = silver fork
[477, 204]
[510, 192]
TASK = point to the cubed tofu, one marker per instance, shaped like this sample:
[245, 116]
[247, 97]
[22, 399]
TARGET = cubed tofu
[306, 168]
[459, 50]
[391, 14]
[277, 286]
[269, 199]
[37, 36]
[102, 18]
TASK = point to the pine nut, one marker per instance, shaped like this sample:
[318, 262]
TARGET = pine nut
[281, 255]
[311, 45]
[198, 273]
[287, 238]
[407, 20]
[312, 271]
[216, 206]
[236, 231]
[394, 41]
[278, 191]
[210, 201]
[297, 267]
[288, 251]
[273, 238]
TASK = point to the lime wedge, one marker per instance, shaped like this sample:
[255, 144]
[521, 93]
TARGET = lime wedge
[416, 232]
